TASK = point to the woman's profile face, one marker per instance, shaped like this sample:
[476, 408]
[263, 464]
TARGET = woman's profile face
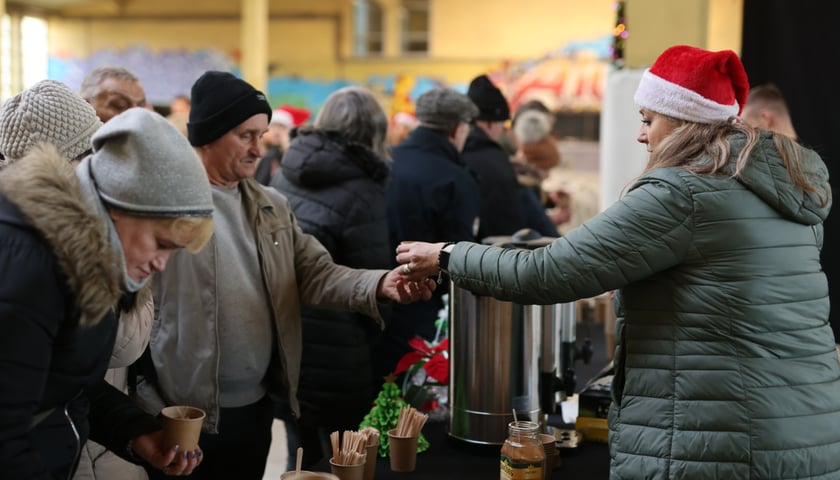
[654, 128]
[146, 243]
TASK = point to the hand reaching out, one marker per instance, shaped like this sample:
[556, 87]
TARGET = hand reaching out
[418, 259]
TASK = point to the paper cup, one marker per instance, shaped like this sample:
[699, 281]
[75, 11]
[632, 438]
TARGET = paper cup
[372, 453]
[182, 426]
[307, 475]
[348, 472]
[549, 443]
[403, 452]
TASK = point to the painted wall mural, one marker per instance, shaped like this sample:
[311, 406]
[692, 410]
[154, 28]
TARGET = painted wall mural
[164, 74]
[569, 79]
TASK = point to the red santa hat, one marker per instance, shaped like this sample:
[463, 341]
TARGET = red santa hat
[693, 84]
[282, 117]
[299, 115]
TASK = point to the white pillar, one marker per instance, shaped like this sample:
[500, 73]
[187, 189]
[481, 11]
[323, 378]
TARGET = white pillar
[622, 158]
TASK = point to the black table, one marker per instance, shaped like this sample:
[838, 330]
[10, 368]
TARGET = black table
[449, 458]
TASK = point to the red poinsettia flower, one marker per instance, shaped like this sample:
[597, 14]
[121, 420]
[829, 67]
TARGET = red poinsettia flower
[438, 368]
[435, 363]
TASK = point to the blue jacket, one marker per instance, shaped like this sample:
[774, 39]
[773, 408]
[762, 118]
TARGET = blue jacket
[433, 197]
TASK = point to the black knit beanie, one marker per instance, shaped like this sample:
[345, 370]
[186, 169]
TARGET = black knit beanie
[492, 105]
[220, 102]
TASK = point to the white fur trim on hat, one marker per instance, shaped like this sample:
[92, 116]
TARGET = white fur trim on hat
[661, 96]
[282, 117]
[694, 84]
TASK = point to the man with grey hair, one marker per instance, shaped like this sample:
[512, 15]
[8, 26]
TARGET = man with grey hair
[112, 90]
[432, 196]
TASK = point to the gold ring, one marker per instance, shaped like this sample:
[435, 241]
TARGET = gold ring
[406, 269]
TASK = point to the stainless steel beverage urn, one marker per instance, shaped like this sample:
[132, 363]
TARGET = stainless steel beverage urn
[498, 353]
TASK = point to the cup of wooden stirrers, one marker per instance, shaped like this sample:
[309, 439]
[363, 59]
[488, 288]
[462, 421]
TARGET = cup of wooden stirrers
[372, 448]
[402, 441]
[348, 460]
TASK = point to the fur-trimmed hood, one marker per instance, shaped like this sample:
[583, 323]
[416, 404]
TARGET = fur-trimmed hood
[44, 187]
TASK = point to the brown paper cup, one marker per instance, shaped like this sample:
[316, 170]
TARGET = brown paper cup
[348, 472]
[307, 475]
[403, 452]
[372, 453]
[182, 426]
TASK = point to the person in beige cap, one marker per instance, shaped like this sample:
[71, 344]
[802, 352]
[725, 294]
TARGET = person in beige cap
[50, 112]
[76, 247]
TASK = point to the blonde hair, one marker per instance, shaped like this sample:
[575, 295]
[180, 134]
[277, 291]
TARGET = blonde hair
[192, 232]
[704, 148]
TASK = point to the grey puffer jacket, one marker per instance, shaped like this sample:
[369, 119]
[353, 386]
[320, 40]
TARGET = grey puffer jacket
[725, 365]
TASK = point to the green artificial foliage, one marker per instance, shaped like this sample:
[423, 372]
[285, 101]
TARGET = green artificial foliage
[385, 413]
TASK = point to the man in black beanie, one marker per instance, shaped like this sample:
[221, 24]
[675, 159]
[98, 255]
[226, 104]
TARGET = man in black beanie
[505, 206]
[228, 327]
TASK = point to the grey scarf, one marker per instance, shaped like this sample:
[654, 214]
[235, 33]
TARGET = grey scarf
[91, 194]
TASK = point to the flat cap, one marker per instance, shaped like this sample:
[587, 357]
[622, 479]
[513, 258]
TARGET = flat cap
[443, 109]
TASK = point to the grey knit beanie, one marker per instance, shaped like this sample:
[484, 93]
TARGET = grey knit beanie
[49, 111]
[141, 164]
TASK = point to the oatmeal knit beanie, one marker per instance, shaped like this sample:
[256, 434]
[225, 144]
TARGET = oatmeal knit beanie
[50, 112]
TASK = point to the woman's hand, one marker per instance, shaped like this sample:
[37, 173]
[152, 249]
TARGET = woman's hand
[418, 259]
[173, 461]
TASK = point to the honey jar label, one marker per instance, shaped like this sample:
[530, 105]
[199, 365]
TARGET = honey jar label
[511, 470]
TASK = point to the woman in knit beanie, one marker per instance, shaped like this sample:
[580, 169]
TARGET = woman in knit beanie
[76, 245]
[48, 112]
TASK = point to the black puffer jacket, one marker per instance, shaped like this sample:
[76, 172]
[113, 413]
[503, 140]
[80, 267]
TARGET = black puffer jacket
[337, 192]
[58, 295]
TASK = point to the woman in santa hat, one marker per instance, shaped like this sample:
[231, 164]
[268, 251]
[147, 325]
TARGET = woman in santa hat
[725, 365]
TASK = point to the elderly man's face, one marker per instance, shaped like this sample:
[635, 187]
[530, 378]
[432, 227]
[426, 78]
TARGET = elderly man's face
[234, 156]
[116, 96]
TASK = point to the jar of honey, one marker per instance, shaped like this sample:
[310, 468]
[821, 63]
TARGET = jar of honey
[523, 456]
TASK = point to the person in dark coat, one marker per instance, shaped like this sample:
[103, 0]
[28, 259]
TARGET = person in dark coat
[505, 206]
[334, 176]
[431, 196]
[75, 248]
